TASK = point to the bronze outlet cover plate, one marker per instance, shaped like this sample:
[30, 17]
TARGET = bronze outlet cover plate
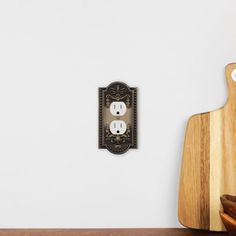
[117, 107]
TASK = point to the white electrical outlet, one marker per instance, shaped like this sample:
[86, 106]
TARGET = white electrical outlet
[118, 127]
[118, 108]
[117, 116]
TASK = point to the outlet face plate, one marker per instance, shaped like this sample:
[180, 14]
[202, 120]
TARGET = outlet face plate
[117, 117]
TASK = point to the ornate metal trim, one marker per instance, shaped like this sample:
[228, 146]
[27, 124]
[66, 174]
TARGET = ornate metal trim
[117, 91]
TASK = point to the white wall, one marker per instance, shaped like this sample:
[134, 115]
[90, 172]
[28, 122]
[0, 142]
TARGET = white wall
[53, 57]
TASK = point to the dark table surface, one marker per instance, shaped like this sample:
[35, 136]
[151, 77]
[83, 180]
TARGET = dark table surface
[107, 232]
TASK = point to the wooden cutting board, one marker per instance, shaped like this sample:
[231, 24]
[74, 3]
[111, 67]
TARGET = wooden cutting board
[209, 163]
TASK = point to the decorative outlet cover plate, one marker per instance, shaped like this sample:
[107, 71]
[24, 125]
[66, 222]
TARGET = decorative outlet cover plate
[118, 117]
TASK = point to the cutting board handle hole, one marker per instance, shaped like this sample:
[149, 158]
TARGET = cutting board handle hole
[233, 75]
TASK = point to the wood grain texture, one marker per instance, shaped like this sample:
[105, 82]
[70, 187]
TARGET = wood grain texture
[209, 163]
[106, 232]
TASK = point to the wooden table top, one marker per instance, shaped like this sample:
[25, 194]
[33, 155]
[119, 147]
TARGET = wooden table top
[107, 232]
